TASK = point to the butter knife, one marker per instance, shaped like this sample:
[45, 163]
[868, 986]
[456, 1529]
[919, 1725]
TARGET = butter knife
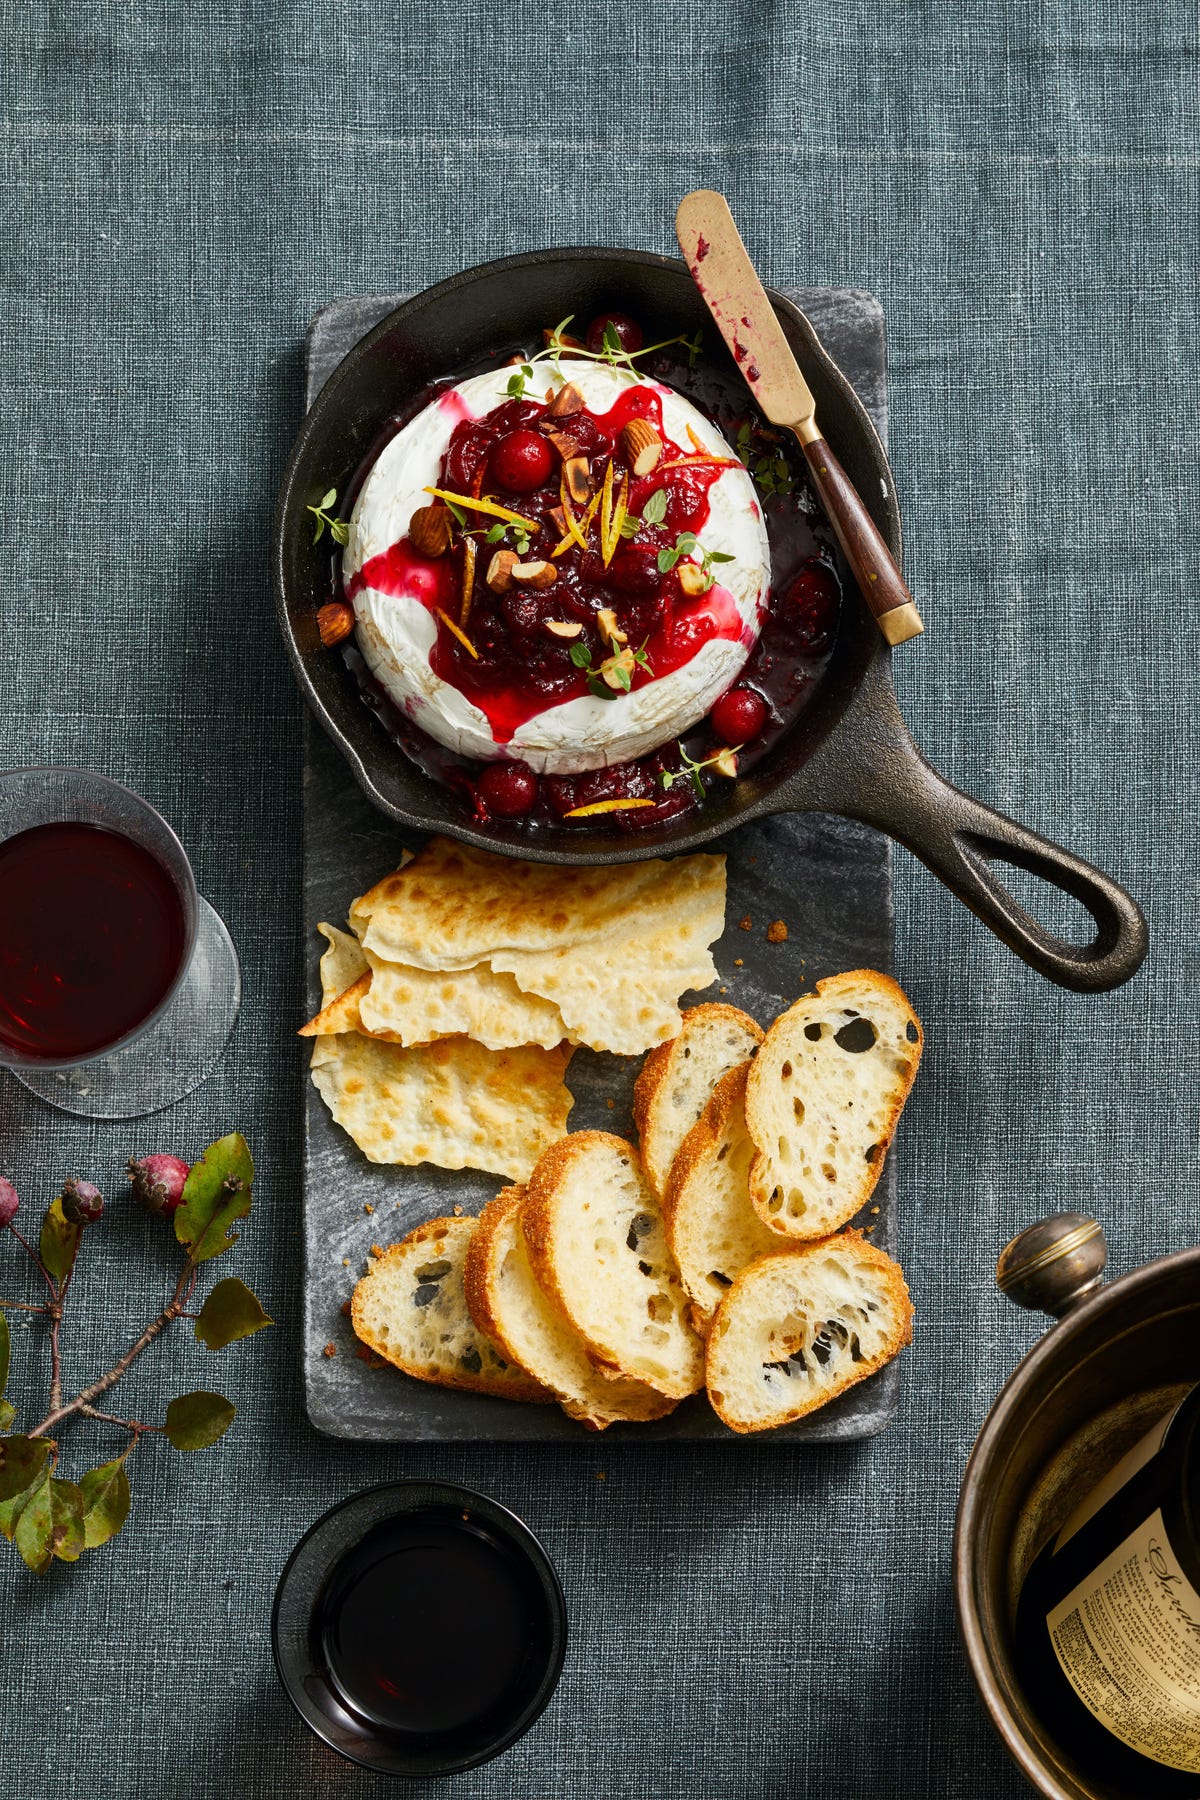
[721, 268]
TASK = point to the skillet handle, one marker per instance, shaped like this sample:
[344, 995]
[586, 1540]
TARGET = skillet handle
[890, 785]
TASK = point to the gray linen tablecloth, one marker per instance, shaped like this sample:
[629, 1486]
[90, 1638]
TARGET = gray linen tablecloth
[182, 188]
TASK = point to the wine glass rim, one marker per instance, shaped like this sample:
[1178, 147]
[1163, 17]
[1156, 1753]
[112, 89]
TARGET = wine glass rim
[191, 912]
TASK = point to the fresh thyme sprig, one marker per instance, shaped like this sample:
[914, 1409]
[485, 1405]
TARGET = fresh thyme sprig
[687, 544]
[724, 761]
[517, 535]
[339, 530]
[615, 674]
[611, 352]
[772, 474]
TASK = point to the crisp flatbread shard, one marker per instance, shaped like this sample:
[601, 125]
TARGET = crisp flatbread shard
[417, 1005]
[453, 1102]
[452, 907]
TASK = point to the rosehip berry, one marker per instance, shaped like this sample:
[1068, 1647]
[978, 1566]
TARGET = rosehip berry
[82, 1201]
[522, 461]
[158, 1181]
[508, 789]
[9, 1204]
[627, 331]
[739, 715]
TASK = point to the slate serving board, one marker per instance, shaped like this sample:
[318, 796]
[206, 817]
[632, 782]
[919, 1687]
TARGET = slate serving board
[828, 879]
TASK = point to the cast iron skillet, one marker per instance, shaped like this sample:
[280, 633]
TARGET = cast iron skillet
[849, 752]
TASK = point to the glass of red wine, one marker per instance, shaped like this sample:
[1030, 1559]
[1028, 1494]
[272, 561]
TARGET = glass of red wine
[119, 984]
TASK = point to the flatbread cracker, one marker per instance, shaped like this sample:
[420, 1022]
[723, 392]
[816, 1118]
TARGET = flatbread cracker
[414, 1006]
[452, 906]
[452, 1103]
[341, 964]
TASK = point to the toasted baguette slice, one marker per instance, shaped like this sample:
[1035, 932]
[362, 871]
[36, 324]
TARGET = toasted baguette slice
[802, 1325]
[712, 1228]
[678, 1078]
[823, 1098]
[410, 1308]
[598, 1248]
[510, 1308]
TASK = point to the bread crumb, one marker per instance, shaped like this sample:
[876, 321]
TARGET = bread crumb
[367, 1207]
[345, 1262]
[610, 1104]
[330, 1349]
[874, 1209]
[601, 1475]
[746, 924]
[777, 932]
[458, 1212]
[723, 990]
[376, 1249]
[752, 859]
[347, 1309]
[737, 962]
[369, 1357]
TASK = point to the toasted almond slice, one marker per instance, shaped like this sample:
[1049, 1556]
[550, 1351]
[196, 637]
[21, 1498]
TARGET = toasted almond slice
[606, 806]
[725, 761]
[534, 574]
[566, 403]
[567, 447]
[462, 637]
[499, 571]
[578, 478]
[693, 579]
[606, 619]
[641, 446]
[564, 628]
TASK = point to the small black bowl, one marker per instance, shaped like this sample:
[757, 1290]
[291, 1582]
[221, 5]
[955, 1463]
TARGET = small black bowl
[319, 1571]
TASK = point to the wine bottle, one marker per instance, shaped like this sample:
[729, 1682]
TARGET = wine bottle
[1107, 1642]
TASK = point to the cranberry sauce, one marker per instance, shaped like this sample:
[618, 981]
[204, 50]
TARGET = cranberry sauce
[514, 666]
[91, 938]
[434, 1630]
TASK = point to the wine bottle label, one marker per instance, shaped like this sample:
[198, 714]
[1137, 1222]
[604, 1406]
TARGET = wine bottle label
[1127, 1638]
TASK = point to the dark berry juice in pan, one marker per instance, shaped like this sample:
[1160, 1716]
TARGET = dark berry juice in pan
[92, 933]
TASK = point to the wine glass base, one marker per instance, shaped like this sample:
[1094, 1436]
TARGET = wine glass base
[172, 1058]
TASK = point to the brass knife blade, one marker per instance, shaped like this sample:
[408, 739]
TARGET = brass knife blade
[721, 268]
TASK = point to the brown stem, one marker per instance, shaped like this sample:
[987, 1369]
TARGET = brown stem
[54, 1309]
[170, 1311]
[36, 1259]
[23, 1306]
[136, 1426]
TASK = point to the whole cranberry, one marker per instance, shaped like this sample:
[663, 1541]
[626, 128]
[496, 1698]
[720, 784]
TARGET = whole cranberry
[9, 1204]
[627, 331]
[522, 461]
[82, 1201]
[157, 1181]
[739, 715]
[810, 605]
[508, 789]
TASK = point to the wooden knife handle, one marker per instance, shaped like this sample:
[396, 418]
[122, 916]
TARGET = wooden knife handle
[881, 582]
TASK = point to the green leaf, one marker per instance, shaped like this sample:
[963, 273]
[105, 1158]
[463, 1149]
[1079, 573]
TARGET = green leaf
[718, 556]
[327, 500]
[105, 1502]
[458, 512]
[495, 534]
[66, 1521]
[5, 1348]
[581, 656]
[195, 1421]
[32, 1535]
[655, 509]
[21, 1461]
[231, 1311]
[215, 1194]
[319, 527]
[8, 1413]
[667, 560]
[59, 1242]
[10, 1513]
[339, 530]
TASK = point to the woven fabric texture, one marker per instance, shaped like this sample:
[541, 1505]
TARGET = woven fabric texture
[182, 188]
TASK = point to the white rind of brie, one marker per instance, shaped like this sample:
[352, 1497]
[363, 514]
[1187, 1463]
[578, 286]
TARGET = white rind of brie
[396, 633]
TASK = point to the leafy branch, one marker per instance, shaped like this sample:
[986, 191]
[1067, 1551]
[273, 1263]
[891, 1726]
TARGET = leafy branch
[45, 1516]
[339, 529]
[724, 761]
[612, 351]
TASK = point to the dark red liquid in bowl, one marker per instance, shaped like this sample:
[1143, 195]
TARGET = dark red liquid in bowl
[434, 1629]
[92, 933]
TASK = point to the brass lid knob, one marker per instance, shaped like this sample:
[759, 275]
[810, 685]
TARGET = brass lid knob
[1053, 1265]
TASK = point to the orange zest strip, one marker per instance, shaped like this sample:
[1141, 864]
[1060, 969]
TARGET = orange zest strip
[619, 517]
[696, 443]
[700, 462]
[574, 534]
[470, 555]
[607, 541]
[485, 506]
[606, 806]
[586, 520]
[462, 637]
